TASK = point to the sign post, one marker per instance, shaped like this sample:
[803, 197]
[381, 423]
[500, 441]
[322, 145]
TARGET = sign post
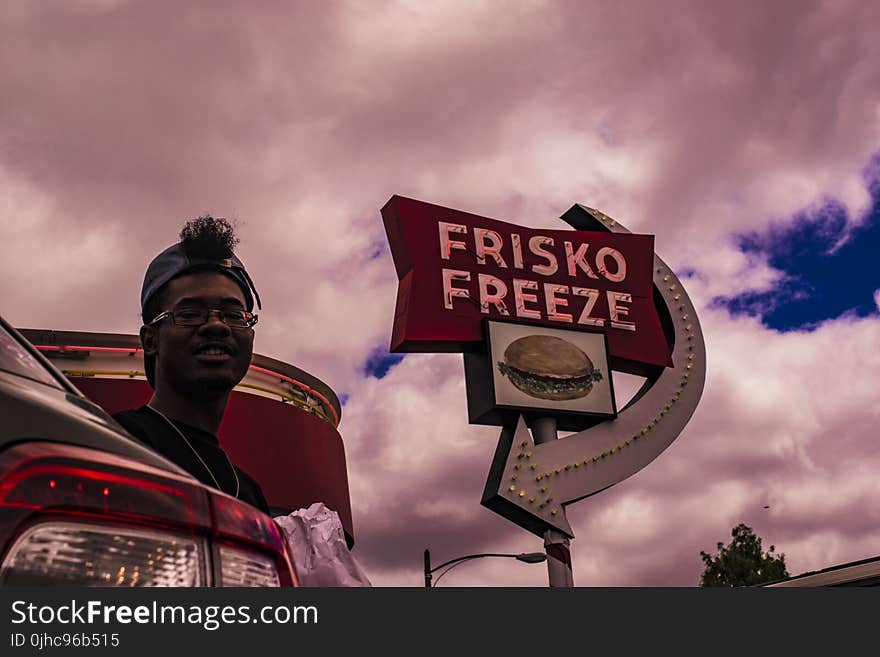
[556, 543]
[542, 318]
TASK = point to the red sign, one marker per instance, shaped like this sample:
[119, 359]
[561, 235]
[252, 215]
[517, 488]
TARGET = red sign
[456, 268]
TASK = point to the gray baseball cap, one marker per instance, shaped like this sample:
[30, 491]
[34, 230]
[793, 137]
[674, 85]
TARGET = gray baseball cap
[174, 261]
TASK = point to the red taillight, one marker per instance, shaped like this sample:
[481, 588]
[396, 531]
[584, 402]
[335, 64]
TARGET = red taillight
[44, 482]
[69, 479]
[240, 521]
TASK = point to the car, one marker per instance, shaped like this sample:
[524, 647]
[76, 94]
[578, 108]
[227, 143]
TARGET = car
[83, 503]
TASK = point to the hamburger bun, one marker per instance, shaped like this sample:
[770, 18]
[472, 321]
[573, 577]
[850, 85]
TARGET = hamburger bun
[547, 367]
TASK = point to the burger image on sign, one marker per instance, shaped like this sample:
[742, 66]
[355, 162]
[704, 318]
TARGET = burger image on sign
[547, 367]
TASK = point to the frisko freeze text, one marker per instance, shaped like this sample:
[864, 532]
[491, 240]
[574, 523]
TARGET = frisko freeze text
[528, 297]
[456, 270]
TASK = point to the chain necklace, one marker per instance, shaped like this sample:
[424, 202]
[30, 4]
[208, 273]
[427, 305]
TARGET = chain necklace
[198, 456]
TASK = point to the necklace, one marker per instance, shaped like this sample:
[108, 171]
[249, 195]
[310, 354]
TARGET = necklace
[199, 456]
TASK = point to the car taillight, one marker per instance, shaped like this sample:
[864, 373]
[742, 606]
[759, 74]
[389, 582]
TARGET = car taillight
[74, 480]
[84, 554]
[86, 517]
[242, 523]
[246, 568]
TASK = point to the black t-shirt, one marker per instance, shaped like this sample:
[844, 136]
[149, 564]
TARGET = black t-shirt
[151, 429]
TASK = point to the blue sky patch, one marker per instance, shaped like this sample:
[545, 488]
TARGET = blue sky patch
[829, 268]
[378, 247]
[380, 361]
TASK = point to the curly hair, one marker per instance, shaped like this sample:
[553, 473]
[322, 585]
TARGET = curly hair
[209, 237]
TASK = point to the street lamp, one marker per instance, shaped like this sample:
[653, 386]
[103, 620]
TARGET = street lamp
[526, 557]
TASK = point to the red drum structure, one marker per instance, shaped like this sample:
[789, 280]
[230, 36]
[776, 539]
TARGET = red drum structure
[280, 425]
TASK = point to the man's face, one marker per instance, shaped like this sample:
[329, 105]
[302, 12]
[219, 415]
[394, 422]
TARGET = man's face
[206, 360]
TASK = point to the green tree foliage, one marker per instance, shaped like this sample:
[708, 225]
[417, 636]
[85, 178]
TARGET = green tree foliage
[742, 563]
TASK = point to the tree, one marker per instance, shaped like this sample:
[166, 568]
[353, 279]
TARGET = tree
[742, 563]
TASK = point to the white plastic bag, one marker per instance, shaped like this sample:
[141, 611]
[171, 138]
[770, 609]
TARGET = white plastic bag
[319, 552]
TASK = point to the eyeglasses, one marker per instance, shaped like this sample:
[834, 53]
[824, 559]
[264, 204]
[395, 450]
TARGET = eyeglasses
[199, 316]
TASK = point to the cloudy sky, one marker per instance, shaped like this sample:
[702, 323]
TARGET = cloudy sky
[745, 136]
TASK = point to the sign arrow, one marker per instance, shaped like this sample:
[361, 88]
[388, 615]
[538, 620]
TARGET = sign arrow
[530, 484]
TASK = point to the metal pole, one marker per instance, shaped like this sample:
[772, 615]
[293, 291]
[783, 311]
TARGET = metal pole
[556, 543]
[427, 568]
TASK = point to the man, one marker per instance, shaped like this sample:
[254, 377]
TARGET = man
[198, 338]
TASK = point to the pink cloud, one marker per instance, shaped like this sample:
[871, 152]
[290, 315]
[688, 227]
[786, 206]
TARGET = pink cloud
[122, 119]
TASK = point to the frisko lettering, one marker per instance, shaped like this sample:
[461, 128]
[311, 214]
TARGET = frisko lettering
[492, 293]
[458, 269]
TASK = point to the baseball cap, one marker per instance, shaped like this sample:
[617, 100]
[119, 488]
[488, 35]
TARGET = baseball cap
[174, 261]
